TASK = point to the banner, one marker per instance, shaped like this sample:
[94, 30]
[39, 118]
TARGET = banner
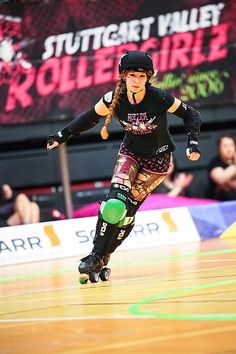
[66, 238]
[57, 58]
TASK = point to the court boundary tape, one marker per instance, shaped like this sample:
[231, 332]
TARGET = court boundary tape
[118, 264]
[135, 308]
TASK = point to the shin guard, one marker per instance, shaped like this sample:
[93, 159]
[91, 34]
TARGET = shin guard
[121, 235]
[105, 233]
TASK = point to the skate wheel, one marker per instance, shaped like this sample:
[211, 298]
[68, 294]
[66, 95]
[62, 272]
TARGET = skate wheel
[105, 274]
[94, 277]
[83, 278]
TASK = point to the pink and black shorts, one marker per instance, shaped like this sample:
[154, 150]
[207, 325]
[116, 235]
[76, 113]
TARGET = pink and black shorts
[157, 165]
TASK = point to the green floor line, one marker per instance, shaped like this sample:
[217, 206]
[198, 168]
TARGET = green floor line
[188, 255]
[136, 311]
[123, 264]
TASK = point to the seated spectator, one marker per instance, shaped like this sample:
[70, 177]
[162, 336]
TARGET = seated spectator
[174, 184]
[17, 208]
[222, 170]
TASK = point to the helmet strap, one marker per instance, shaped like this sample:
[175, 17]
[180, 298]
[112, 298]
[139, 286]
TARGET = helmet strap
[133, 95]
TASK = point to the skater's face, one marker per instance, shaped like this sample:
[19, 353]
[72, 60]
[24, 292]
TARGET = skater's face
[135, 81]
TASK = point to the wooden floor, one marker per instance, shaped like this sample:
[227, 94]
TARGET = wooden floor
[175, 300]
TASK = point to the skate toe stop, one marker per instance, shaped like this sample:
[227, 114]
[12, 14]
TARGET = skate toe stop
[83, 278]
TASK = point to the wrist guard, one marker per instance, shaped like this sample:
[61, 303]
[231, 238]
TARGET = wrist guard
[192, 145]
[61, 137]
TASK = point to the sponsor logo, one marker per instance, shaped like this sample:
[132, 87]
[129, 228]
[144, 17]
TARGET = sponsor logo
[193, 142]
[121, 196]
[103, 229]
[162, 149]
[20, 244]
[121, 186]
[134, 202]
[121, 234]
[51, 234]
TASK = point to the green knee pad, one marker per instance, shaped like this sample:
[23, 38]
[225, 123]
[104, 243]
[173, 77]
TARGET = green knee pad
[113, 211]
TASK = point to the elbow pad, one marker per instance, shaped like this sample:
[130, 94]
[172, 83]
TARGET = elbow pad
[190, 116]
[84, 121]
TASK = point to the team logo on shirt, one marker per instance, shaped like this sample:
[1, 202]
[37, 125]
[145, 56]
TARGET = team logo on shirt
[139, 124]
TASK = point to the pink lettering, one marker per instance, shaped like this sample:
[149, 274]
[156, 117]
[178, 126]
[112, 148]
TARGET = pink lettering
[104, 64]
[164, 54]
[66, 84]
[149, 44]
[182, 43]
[18, 91]
[48, 76]
[218, 48]
[82, 79]
[197, 56]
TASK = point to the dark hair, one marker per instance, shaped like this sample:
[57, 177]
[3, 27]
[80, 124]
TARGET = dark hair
[226, 135]
[2, 194]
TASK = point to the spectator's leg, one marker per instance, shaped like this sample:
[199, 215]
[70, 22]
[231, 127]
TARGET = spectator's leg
[35, 212]
[26, 212]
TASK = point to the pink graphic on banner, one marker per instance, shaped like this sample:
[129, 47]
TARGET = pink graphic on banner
[56, 61]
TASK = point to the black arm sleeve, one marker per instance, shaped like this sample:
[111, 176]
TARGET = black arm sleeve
[190, 116]
[83, 122]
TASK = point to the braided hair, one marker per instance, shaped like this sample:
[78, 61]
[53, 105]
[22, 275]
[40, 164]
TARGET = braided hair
[114, 102]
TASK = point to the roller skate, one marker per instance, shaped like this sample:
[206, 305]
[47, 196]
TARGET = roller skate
[105, 271]
[91, 268]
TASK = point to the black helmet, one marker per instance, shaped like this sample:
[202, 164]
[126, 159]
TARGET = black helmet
[137, 61]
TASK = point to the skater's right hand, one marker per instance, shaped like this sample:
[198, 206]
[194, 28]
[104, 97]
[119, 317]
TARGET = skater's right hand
[52, 143]
[61, 137]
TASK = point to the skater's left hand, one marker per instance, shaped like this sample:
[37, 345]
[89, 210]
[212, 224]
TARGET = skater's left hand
[193, 155]
[192, 151]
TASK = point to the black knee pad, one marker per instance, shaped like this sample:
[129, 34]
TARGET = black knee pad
[118, 191]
